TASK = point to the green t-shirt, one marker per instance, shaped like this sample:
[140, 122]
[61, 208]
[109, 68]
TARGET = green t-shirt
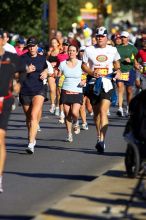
[128, 51]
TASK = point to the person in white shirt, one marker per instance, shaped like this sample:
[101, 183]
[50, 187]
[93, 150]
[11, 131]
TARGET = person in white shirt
[100, 61]
[8, 47]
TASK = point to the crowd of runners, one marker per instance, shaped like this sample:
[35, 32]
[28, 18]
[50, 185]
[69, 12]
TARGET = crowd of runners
[77, 76]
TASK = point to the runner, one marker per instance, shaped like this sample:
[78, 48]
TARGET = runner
[71, 92]
[141, 67]
[127, 52]
[102, 58]
[9, 64]
[61, 57]
[33, 90]
[54, 50]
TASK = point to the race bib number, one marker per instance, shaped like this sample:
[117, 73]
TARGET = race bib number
[124, 76]
[102, 71]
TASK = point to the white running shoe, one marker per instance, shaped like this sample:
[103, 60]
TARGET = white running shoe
[57, 111]
[30, 148]
[120, 112]
[1, 187]
[108, 113]
[85, 126]
[69, 138]
[39, 128]
[127, 112]
[76, 128]
[13, 107]
[61, 120]
[91, 113]
[52, 109]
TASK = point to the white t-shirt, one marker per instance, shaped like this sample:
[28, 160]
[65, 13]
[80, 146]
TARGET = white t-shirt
[9, 48]
[50, 68]
[72, 76]
[101, 58]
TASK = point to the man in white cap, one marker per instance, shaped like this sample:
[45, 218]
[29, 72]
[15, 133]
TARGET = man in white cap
[103, 60]
[127, 52]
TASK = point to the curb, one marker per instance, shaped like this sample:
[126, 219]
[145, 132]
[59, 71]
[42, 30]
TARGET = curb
[105, 197]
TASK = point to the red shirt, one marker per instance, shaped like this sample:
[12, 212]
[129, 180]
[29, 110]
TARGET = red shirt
[20, 52]
[61, 57]
[141, 55]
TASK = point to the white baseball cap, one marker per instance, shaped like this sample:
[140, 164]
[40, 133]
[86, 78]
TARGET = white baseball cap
[82, 48]
[125, 34]
[71, 35]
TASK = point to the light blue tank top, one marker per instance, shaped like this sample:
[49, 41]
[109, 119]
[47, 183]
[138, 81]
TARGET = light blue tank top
[72, 76]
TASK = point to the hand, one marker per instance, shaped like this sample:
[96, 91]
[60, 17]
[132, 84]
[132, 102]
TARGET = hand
[31, 68]
[44, 75]
[118, 74]
[128, 60]
[82, 83]
[96, 73]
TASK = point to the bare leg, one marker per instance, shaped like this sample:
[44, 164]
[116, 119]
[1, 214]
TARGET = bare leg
[37, 105]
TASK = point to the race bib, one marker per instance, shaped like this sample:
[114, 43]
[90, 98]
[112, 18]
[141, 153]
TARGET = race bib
[124, 76]
[102, 71]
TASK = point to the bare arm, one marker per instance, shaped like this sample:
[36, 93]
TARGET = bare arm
[86, 69]
[117, 69]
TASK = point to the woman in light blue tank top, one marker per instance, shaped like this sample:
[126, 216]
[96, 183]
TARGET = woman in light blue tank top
[71, 91]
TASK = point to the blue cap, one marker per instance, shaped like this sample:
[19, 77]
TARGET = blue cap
[40, 50]
[21, 41]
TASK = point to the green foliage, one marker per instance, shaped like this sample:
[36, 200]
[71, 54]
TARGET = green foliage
[136, 5]
[67, 14]
[23, 16]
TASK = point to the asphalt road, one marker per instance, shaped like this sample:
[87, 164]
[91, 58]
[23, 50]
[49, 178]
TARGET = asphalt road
[33, 183]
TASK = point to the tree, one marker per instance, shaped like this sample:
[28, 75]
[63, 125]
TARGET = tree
[137, 6]
[21, 16]
[67, 14]
[25, 17]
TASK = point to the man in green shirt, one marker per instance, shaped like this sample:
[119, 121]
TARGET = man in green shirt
[127, 52]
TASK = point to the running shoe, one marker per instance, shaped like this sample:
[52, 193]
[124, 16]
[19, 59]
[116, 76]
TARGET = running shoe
[30, 148]
[39, 128]
[108, 113]
[13, 107]
[76, 128]
[85, 126]
[100, 146]
[52, 109]
[69, 138]
[120, 112]
[1, 187]
[61, 120]
[127, 112]
[57, 111]
[91, 114]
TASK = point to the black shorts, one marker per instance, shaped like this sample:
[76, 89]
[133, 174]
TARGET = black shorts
[4, 116]
[71, 98]
[27, 99]
[94, 99]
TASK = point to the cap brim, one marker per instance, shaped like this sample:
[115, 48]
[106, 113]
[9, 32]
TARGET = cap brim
[124, 36]
[97, 35]
[29, 45]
